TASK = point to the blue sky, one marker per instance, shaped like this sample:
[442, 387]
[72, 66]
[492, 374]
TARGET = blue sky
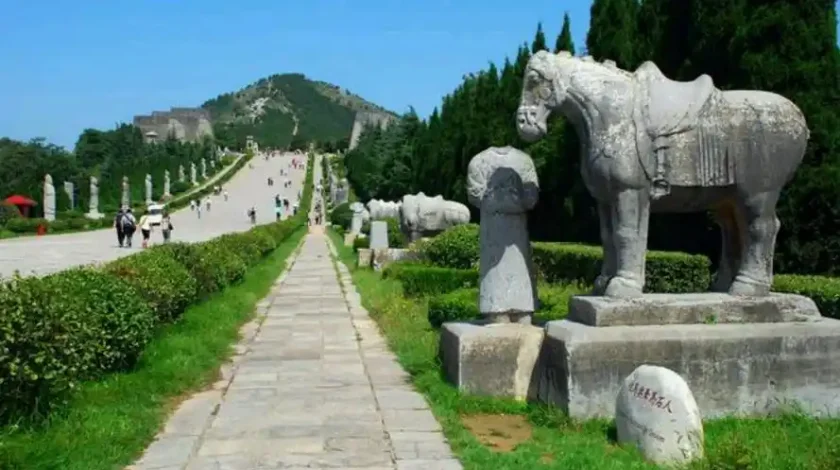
[68, 65]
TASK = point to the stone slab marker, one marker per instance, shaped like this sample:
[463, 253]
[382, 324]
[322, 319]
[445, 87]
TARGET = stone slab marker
[656, 411]
[378, 235]
[93, 201]
[166, 188]
[69, 189]
[498, 355]
[49, 199]
[149, 199]
[126, 193]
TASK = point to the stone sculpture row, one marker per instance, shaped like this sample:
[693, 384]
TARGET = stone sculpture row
[125, 197]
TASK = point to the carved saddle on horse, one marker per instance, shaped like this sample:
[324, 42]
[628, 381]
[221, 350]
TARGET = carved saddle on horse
[663, 109]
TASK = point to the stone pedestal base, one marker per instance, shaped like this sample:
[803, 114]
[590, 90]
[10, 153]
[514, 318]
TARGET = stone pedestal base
[365, 257]
[674, 309]
[349, 238]
[94, 215]
[497, 359]
[384, 257]
[744, 369]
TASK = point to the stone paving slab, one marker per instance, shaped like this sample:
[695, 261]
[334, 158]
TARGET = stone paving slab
[311, 386]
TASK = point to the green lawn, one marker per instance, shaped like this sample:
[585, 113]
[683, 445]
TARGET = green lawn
[556, 442]
[109, 423]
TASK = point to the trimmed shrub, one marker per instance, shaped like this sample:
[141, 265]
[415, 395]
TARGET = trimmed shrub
[165, 284]
[396, 238]
[664, 271]
[261, 238]
[455, 248]
[228, 268]
[243, 246]
[204, 269]
[361, 242]
[62, 329]
[342, 215]
[825, 291]
[419, 280]
[8, 212]
[22, 225]
[462, 304]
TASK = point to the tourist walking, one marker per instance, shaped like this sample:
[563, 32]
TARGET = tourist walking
[145, 229]
[207, 201]
[166, 227]
[198, 210]
[226, 195]
[118, 226]
[252, 214]
[129, 225]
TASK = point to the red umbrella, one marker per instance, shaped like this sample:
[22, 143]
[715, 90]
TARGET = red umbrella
[19, 200]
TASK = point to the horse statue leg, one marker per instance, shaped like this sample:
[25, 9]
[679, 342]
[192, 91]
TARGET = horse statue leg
[731, 226]
[608, 262]
[756, 272]
[629, 217]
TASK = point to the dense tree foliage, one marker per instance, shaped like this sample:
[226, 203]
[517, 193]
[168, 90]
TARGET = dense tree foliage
[788, 47]
[108, 155]
[284, 111]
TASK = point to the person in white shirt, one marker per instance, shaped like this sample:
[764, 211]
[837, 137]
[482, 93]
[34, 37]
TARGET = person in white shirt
[145, 228]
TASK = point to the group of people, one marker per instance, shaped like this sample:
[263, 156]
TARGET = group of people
[126, 225]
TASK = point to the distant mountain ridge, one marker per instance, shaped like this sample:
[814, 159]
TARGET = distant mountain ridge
[286, 108]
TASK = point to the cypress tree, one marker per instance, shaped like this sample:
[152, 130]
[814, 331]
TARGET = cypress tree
[612, 31]
[564, 39]
[539, 40]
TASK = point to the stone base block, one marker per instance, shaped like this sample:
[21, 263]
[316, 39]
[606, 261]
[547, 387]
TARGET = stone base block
[94, 215]
[676, 309]
[349, 238]
[384, 257]
[743, 369]
[497, 359]
[365, 257]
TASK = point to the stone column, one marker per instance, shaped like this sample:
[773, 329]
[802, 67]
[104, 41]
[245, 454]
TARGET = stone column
[149, 199]
[502, 183]
[166, 188]
[69, 189]
[49, 199]
[126, 193]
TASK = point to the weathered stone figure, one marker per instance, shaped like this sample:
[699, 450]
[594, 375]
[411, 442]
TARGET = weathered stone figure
[360, 216]
[70, 191]
[383, 209]
[93, 202]
[502, 183]
[193, 174]
[181, 176]
[203, 168]
[421, 215]
[126, 193]
[650, 143]
[166, 184]
[49, 198]
[148, 189]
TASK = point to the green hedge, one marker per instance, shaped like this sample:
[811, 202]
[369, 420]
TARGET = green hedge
[462, 304]
[664, 271]
[419, 280]
[83, 323]
[361, 242]
[825, 291]
[457, 248]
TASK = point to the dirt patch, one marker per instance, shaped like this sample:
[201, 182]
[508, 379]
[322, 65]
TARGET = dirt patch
[501, 433]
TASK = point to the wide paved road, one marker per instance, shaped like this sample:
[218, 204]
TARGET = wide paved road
[43, 255]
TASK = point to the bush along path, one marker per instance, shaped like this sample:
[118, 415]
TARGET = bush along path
[92, 359]
[314, 386]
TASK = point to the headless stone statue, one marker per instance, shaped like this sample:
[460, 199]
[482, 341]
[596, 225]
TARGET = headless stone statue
[181, 176]
[70, 191]
[203, 168]
[93, 202]
[49, 199]
[193, 174]
[502, 183]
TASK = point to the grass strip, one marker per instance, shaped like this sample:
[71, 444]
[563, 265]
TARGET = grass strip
[110, 422]
[784, 442]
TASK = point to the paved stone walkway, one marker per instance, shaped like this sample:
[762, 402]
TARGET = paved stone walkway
[313, 386]
[47, 254]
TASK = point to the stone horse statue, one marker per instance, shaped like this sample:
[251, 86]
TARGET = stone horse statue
[651, 143]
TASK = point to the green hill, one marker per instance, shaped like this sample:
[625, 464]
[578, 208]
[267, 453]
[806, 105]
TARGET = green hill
[286, 110]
